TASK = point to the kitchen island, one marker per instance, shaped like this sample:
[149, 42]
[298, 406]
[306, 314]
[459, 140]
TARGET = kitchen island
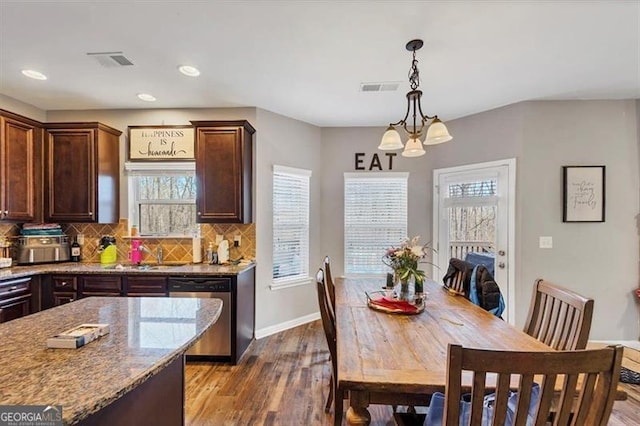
[133, 375]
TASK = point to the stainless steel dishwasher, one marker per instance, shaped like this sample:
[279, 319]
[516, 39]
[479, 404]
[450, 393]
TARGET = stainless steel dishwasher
[215, 343]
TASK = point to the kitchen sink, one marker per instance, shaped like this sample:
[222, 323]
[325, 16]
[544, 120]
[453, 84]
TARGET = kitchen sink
[146, 267]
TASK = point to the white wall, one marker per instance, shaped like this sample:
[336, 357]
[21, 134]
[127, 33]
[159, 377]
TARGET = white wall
[597, 260]
[286, 142]
[18, 107]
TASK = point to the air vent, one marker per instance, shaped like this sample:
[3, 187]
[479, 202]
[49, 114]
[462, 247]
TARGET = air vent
[387, 86]
[111, 59]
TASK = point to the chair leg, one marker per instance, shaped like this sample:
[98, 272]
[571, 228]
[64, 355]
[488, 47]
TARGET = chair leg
[327, 406]
[338, 408]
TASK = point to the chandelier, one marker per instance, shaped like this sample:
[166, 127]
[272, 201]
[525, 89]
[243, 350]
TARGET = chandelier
[436, 132]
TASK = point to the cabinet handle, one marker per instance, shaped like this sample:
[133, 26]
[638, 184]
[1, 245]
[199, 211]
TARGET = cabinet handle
[63, 283]
[199, 213]
[13, 288]
[90, 213]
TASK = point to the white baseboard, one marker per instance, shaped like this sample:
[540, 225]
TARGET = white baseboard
[628, 343]
[273, 329]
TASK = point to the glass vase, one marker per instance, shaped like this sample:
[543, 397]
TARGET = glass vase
[406, 289]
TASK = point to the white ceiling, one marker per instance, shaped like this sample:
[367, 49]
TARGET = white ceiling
[307, 59]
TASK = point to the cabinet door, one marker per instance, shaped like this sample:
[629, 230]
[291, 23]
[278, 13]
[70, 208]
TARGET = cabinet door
[223, 173]
[60, 298]
[147, 286]
[100, 285]
[17, 308]
[19, 168]
[71, 179]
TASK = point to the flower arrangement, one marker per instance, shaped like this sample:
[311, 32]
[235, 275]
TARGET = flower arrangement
[404, 260]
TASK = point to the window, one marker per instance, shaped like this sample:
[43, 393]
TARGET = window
[162, 198]
[375, 218]
[290, 226]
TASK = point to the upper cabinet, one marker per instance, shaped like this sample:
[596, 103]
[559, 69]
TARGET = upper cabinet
[83, 178]
[223, 171]
[20, 168]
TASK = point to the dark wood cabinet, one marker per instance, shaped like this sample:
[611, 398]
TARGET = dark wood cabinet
[100, 285]
[15, 298]
[224, 171]
[64, 289]
[20, 168]
[146, 286]
[82, 173]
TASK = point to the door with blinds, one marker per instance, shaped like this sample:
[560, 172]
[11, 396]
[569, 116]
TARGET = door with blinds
[375, 218]
[474, 220]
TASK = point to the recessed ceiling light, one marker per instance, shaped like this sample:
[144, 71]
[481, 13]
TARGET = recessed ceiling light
[34, 74]
[189, 70]
[146, 97]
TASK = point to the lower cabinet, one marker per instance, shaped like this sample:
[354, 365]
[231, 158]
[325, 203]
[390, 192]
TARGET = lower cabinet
[64, 290]
[60, 289]
[100, 285]
[15, 298]
[146, 286]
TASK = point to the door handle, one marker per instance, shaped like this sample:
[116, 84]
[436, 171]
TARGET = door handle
[501, 252]
[501, 265]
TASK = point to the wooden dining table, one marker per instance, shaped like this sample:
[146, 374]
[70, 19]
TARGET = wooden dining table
[396, 359]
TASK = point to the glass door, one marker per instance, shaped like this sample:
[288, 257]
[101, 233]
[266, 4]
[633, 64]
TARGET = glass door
[473, 220]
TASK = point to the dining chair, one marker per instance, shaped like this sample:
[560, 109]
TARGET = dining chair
[591, 375]
[331, 288]
[328, 324]
[559, 317]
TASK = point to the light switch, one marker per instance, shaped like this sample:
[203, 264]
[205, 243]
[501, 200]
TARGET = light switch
[546, 242]
[236, 241]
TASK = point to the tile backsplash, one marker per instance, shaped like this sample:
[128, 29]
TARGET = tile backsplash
[174, 249]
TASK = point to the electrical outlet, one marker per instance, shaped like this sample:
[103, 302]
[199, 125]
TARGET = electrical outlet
[546, 242]
[236, 241]
[218, 239]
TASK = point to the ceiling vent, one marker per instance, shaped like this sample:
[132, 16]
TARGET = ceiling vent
[386, 86]
[110, 59]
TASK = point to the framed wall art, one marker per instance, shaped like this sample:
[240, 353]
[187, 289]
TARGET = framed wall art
[583, 193]
[161, 143]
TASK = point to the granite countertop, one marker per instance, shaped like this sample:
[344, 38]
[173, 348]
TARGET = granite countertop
[96, 268]
[147, 334]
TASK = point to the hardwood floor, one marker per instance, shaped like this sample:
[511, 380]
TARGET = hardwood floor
[284, 379]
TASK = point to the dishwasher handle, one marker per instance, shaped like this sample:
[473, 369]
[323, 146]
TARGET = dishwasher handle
[223, 285]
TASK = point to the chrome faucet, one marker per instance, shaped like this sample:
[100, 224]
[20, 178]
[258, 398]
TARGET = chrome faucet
[159, 255]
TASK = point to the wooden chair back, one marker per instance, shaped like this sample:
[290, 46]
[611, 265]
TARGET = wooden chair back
[331, 289]
[589, 375]
[329, 325]
[559, 317]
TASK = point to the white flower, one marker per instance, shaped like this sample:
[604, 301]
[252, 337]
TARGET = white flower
[417, 251]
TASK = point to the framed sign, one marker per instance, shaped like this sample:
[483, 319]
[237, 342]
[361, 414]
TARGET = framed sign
[583, 194]
[161, 143]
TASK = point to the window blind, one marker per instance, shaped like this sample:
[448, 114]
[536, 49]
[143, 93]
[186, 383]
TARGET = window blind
[290, 224]
[375, 218]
